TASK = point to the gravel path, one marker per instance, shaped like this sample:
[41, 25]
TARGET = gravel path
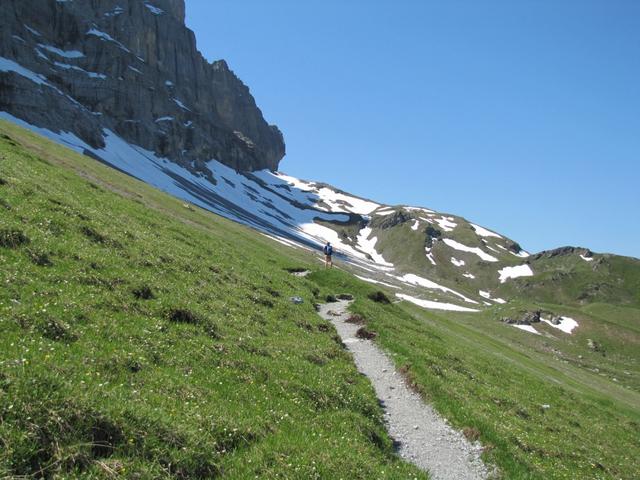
[423, 437]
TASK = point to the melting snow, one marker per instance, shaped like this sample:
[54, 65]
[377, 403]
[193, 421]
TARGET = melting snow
[412, 279]
[180, 104]
[415, 225]
[483, 232]
[164, 119]
[33, 31]
[487, 295]
[446, 223]
[418, 209]
[430, 304]
[135, 69]
[115, 12]
[468, 275]
[66, 66]
[153, 9]
[456, 262]
[515, 272]
[106, 37]
[371, 280]
[586, 259]
[62, 53]
[476, 250]
[566, 325]
[368, 246]
[384, 212]
[7, 65]
[527, 328]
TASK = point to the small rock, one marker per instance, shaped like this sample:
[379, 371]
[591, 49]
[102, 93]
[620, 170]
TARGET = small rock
[546, 406]
[297, 300]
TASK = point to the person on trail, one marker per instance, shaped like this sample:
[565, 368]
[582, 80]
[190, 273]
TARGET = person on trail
[328, 252]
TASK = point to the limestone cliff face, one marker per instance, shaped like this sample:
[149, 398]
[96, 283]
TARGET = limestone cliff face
[132, 67]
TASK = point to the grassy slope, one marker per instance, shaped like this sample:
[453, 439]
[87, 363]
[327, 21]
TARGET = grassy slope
[478, 372]
[217, 373]
[493, 380]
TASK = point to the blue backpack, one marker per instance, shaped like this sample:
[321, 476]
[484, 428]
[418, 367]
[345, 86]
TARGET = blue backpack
[328, 250]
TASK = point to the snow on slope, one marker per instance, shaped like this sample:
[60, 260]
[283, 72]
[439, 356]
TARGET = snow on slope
[515, 272]
[475, 250]
[483, 232]
[429, 304]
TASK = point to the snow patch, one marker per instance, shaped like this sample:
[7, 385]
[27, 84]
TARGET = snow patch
[456, 262]
[446, 223]
[180, 104]
[62, 53]
[415, 225]
[416, 280]
[586, 259]
[468, 275]
[475, 250]
[515, 272]
[526, 328]
[7, 65]
[368, 246]
[487, 295]
[483, 232]
[567, 324]
[378, 282]
[105, 37]
[431, 304]
[153, 9]
[66, 66]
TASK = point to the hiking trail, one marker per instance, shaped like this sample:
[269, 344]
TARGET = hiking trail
[422, 435]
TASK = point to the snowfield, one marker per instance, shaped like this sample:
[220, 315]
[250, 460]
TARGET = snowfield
[483, 232]
[514, 272]
[475, 250]
[567, 325]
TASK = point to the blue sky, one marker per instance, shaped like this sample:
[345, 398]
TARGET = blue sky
[520, 116]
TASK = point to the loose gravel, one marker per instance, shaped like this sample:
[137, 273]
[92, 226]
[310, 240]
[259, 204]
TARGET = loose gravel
[423, 437]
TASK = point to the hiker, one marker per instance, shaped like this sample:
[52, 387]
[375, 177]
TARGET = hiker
[328, 251]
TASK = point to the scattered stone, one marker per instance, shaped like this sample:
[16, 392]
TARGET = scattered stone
[366, 334]
[556, 320]
[331, 299]
[296, 300]
[344, 296]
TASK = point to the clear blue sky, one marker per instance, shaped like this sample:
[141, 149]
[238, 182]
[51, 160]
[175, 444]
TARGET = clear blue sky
[522, 116]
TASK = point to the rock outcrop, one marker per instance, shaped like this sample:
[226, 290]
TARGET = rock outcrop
[130, 67]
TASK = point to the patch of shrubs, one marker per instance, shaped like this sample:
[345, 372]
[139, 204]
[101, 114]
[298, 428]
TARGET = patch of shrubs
[182, 315]
[40, 259]
[13, 238]
[57, 330]
[93, 235]
[379, 297]
[143, 292]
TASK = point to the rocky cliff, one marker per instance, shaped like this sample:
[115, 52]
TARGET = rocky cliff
[130, 67]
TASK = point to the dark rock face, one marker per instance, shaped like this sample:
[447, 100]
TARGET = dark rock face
[131, 67]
